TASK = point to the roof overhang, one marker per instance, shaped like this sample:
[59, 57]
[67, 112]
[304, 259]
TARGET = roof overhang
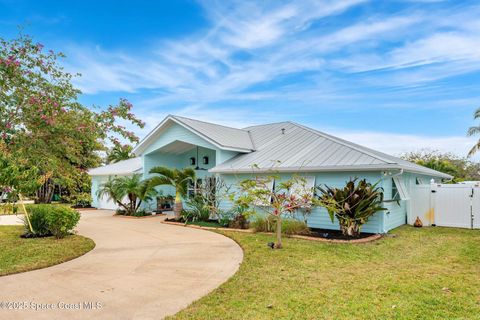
[328, 169]
[121, 168]
[150, 137]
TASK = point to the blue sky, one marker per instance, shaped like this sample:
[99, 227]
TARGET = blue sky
[392, 75]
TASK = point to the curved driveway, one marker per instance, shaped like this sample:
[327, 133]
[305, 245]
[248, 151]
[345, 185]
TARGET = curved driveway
[139, 269]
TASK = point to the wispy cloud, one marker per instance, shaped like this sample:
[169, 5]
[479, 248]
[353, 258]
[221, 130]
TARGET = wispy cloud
[292, 58]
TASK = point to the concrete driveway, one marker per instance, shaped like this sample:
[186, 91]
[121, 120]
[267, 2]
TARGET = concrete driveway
[139, 269]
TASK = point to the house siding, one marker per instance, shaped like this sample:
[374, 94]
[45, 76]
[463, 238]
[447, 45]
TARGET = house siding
[319, 217]
[397, 212]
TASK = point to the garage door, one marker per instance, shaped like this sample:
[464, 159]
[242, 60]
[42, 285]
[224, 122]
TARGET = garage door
[106, 203]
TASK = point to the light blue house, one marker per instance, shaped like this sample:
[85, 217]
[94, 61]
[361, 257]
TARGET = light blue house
[286, 147]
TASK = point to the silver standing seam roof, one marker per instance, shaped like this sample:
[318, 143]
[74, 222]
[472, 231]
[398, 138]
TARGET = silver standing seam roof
[282, 147]
[125, 167]
[291, 147]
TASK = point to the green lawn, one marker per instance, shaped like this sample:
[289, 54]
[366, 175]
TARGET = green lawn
[428, 273]
[19, 255]
[212, 224]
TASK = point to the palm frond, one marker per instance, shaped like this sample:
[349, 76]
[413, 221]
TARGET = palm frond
[164, 171]
[159, 181]
[473, 131]
[474, 149]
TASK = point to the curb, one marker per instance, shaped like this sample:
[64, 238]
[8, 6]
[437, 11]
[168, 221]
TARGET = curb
[143, 217]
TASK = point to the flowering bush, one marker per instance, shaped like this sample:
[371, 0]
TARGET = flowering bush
[44, 128]
[277, 202]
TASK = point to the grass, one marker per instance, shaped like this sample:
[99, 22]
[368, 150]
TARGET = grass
[19, 255]
[213, 224]
[6, 208]
[428, 273]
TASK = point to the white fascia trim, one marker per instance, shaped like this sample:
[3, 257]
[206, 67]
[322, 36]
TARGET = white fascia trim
[324, 169]
[140, 147]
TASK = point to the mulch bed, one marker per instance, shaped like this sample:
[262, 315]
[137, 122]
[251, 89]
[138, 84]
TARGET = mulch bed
[335, 234]
[364, 237]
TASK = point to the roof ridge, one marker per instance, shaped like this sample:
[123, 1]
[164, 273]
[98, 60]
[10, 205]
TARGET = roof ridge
[344, 142]
[266, 124]
[215, 124]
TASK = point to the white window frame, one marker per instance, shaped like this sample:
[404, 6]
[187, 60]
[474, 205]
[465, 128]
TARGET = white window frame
[270, 185]
[298, 189]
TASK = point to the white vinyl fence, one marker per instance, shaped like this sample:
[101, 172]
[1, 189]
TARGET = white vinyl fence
[447, 205]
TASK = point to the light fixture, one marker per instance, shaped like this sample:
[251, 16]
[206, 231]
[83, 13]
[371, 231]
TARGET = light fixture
[192, 161]
[205, 160]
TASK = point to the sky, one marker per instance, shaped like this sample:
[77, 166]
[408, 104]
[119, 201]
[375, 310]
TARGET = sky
[396, 76]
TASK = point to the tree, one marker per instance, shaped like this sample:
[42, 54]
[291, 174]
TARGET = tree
[352, 205]
[132, 188]
[177, 178]
[43, 124]
[460, 168]
[120, 153]
[473, 131]
[279, 201]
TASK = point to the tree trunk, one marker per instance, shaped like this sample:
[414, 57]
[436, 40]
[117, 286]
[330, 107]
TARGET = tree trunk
[45, 192]
[178, 206]
[351, 229]
[278, 245]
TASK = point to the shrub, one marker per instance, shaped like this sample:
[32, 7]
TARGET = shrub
[239, 222]
[289, 226]
[294, 226]
[353, 204]
[80, 200]
[196, 210]
[37, 215]
[141, 213]
[49, 220]
[61, 221]
[224, 217]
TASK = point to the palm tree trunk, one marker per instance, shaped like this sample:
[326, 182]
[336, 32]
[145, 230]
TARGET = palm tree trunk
[178, 206]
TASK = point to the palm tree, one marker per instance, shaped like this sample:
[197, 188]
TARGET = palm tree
[176, 178]
[119, 153]
[474, 131]
[133, 188]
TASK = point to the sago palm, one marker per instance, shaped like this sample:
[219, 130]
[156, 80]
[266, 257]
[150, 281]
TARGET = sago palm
[177, 178]
[132, 188]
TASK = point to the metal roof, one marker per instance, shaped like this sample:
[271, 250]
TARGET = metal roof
[289, 147]
[124, 167]
[223, 137]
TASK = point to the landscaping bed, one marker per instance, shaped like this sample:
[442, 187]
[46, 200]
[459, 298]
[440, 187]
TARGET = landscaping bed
[424, 273]
[19, 255]
[335, 234]
[324, 235]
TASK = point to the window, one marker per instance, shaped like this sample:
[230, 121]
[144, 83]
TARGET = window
[419, 181]
[193, 187]
[399, 191]
[268, 184]
[304, 185]
[395, 194]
